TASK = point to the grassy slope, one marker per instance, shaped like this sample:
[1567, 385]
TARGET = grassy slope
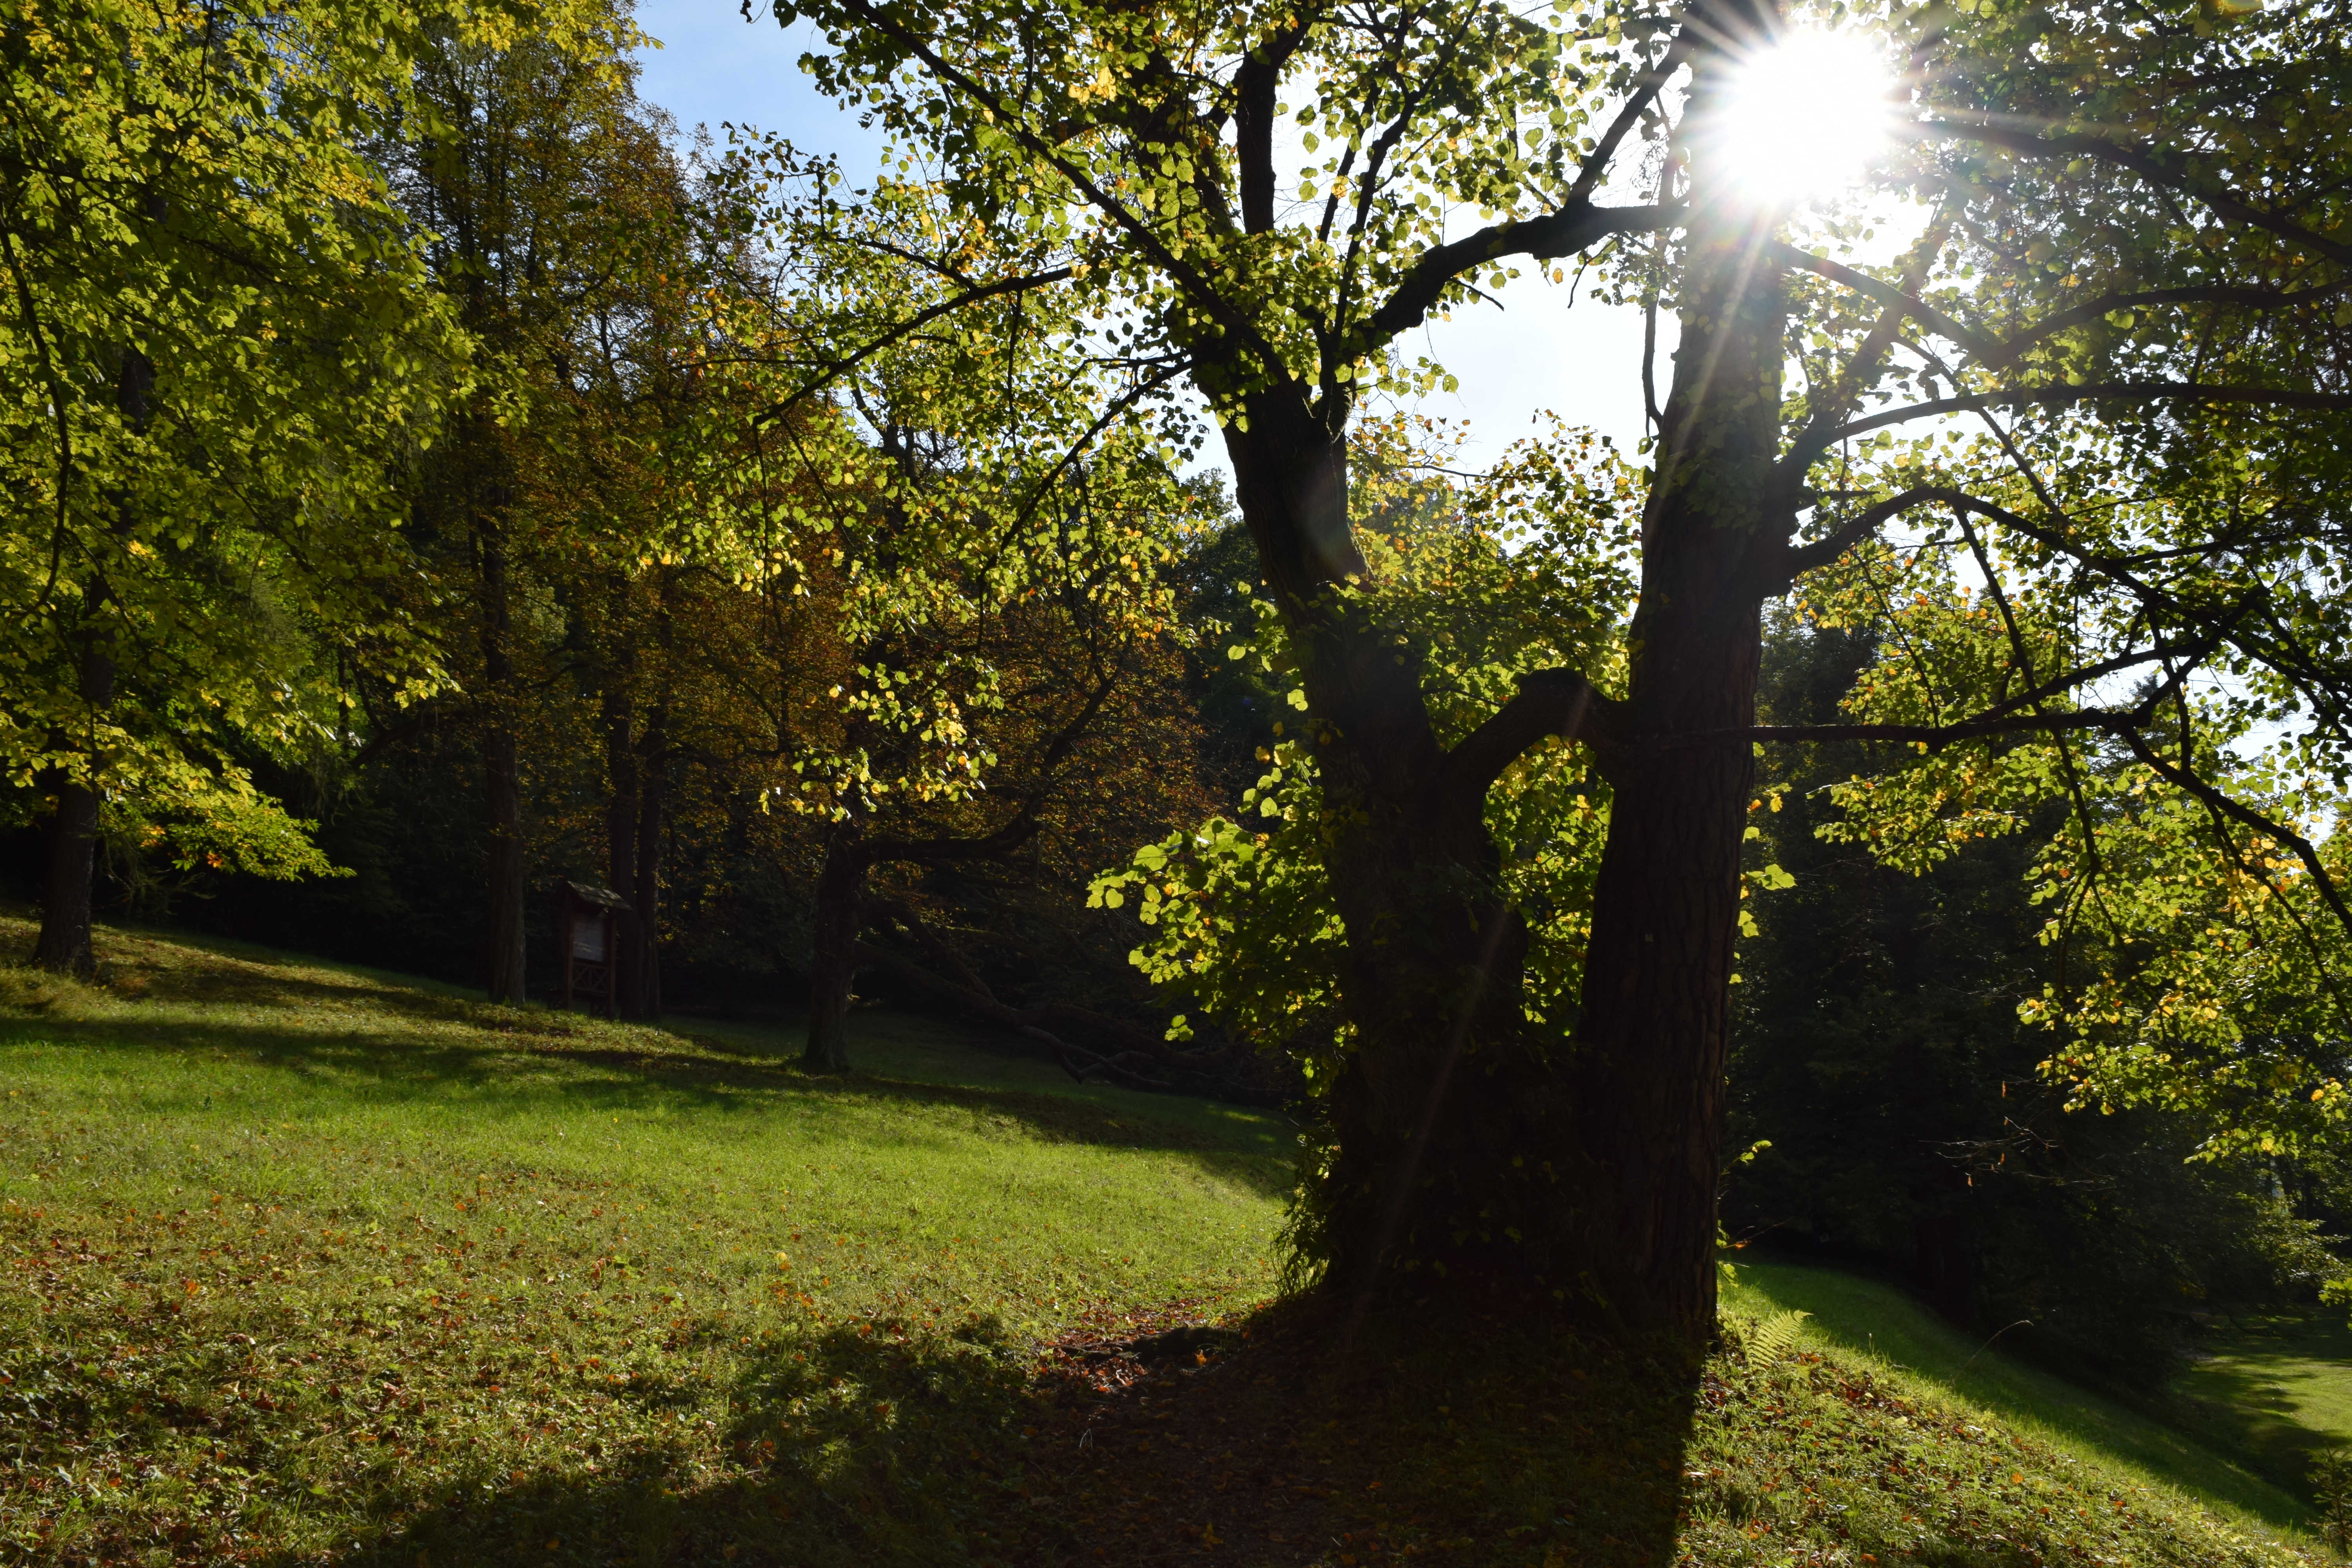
[1875, 1324]
[2275, 1387]
[299, 1255]
[299, 1264]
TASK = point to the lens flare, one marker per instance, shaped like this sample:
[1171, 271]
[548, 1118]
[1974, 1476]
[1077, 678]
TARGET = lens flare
[1803, 118]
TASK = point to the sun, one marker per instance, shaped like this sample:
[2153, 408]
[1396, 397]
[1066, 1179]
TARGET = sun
[1805, 115]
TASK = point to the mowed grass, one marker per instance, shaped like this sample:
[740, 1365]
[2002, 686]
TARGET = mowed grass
[1863, 1318]
[2274, 1386]
[303, 1263]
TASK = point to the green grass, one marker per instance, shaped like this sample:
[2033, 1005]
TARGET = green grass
[2276, 1388]
[299, 1256]
[1859, 1316]
[304, 1264]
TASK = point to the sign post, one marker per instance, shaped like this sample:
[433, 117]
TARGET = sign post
[590, 923]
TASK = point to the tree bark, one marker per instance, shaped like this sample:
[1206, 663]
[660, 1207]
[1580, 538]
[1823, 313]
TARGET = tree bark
[1446, 1094]
[622, 804]
[1649, 1089]
[502, 770]
[840, 897]
[652, 801]
[65, 945]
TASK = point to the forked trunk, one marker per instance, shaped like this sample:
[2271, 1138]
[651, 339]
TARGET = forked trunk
[840, 897]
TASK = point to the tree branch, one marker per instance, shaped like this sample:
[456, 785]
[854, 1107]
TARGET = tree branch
[899, 333]
[1577, 225]
[1549, 702]
[2112, 391]
[1803, 558]
[1886, 294]
[2148, 167]
[2214, 799]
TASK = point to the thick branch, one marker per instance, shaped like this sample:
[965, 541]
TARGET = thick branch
[1575, 225]
[1255, 85]
[1549, 702]
[1803, 558]
[1935, 736]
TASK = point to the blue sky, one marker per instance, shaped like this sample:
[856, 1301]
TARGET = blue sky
[1582, 363]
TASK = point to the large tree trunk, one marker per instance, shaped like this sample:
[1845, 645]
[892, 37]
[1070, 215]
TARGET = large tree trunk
[1431, 1189]
[840, 897]
[502, 769]
[65, 946]
[1649, 1089]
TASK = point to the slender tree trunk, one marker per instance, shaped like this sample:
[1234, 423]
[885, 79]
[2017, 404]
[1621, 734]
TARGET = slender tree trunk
[651, 790]
[1649, 1094]
[622, 804]
[65, 945]
[653, 801]
[840, 898]
[501, 767]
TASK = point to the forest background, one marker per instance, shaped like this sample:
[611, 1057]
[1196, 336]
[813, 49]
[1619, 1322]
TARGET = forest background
[443, 479]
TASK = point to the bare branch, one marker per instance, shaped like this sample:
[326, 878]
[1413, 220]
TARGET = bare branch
[905, 330]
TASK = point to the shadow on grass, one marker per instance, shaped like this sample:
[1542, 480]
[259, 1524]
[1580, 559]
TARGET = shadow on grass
[1491, 1447]
[2279, 1390]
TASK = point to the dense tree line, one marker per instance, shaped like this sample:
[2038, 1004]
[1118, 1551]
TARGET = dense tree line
[1918, 764]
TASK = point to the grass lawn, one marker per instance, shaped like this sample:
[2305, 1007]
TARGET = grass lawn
[303, 1265]
[301, 1259]
[2276, 1388]
[1871, 1323]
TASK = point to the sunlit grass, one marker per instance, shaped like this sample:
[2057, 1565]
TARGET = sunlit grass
[1873, 1324]
[304, 1265]
[300, 1259]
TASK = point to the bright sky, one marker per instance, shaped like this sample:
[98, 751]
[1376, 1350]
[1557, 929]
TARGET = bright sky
[1584, 364]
